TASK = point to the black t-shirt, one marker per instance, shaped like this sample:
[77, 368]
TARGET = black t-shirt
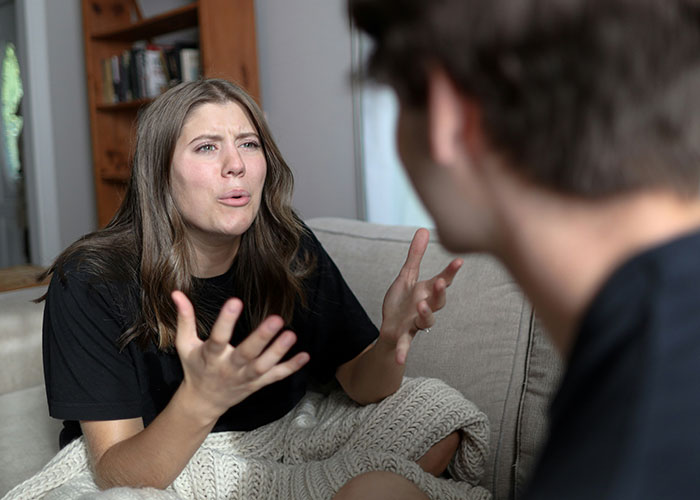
[625, 423]
[88, 378]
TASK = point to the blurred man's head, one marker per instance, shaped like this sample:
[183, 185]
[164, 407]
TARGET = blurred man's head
[588, 98]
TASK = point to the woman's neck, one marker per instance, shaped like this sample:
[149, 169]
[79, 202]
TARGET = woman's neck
[213, 256]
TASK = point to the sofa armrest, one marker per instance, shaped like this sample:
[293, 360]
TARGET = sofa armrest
[20, 339]
[28, 436]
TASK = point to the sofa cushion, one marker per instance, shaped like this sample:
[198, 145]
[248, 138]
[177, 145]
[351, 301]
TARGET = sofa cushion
[481, 343]
[543, 369]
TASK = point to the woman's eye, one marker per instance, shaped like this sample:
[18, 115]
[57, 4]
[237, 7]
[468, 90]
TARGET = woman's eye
[206, 148]
[251, 145]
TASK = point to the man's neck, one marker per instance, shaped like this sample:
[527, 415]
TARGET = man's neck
[561, 250]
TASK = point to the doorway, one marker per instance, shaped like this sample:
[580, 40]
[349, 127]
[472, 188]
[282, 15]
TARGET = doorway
[15, 271]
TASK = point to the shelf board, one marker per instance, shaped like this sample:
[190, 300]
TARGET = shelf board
[124, 106]
[121, 177]
[174, 20]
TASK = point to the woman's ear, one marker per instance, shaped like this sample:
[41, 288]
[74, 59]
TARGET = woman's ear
[454, 121]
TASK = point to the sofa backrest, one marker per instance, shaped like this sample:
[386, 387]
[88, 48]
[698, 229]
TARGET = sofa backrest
[487, 342]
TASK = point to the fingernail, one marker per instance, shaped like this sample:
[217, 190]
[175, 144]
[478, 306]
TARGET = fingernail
[275, 323]
[288, 339]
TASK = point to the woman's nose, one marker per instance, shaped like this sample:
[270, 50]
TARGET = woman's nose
[233, 164]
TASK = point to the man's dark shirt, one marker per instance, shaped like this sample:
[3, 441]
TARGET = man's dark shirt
[625, 423]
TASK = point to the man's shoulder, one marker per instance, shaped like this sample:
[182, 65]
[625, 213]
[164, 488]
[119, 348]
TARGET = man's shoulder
[627, 403]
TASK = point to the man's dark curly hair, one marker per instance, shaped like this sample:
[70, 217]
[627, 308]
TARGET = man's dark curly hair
[587, 97]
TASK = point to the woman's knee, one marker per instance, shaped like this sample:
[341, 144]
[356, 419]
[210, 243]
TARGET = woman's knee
[380, 485]
[438, 457]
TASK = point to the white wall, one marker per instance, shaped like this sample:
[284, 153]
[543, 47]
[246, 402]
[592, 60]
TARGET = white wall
[57, 156]
[37, 144]
[71, 126]
[304, 52]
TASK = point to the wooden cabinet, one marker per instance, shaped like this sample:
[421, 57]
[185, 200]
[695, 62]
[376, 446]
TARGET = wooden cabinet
[227, 50]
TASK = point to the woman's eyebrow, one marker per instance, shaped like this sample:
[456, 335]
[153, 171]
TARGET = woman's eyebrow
[216, 137]
[246, 135]
[209, 137]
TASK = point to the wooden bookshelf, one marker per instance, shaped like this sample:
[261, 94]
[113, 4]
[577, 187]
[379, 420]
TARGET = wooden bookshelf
[177, 19]
[228, 49]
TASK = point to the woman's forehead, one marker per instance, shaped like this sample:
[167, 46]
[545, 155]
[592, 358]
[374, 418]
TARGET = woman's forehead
[225, 116]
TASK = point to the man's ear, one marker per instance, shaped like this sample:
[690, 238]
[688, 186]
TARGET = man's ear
[453, 120]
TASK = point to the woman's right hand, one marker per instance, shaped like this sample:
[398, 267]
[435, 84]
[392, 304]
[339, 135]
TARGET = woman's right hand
[218, 375]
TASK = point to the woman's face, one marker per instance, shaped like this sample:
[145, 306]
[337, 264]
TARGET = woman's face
[217, 174]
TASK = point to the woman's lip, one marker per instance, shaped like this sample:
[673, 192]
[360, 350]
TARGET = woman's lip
[235, 193]
[235, 202]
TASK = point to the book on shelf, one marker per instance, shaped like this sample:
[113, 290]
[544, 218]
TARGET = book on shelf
[189, 64]
[155, 71]
[147, 70]
[107, 85]
[172, 63]
[114, 63]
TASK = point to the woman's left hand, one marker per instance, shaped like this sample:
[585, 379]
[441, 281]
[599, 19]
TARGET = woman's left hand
[409, 304]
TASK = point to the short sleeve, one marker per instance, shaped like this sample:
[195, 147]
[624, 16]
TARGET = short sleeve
[87, 376]
[337, 325]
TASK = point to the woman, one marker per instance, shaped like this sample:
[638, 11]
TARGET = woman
[143, 344]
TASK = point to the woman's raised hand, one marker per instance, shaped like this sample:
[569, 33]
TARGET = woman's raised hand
[409, 304]
[220, 375]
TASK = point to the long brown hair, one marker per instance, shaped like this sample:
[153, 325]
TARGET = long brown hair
[145, 242]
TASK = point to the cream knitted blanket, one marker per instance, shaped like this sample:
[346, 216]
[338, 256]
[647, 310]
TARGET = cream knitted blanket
[308, 454]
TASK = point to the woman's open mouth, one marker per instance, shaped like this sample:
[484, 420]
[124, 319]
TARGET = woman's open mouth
[235, 198]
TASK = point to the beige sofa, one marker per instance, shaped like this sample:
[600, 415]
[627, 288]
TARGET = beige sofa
[487, 343]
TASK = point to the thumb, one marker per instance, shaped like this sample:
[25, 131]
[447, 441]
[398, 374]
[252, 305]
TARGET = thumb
[186, 336]
[403, 345]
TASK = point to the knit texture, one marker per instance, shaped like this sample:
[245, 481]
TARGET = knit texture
[308, 454]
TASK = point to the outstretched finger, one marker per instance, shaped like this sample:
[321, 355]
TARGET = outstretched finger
[221, 332]
[273, 354]
[425, 318]
[438, 295]
[256, 342]
[186, 336]
[283, 370]
[419, 244]
[448, 274]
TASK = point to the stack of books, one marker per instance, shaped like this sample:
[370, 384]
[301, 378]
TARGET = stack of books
[146, 70]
